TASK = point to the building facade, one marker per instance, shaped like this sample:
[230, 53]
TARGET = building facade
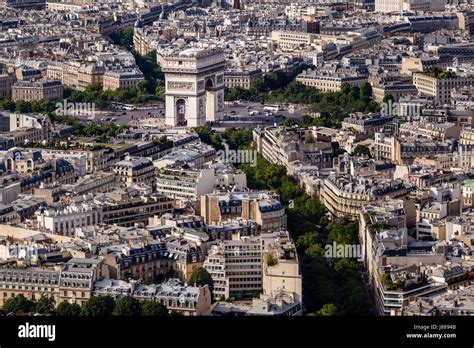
[194, 87]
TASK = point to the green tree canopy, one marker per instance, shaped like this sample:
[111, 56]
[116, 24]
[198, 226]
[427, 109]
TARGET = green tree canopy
[127, 306]
[238, 138]
[388, 97]
[99, 306]
[328, 310]
[152, 308]
[45, 305]
[201, 277]
[288, 122]
[361, 150]
[8, 104]
[18, 305]
[66, 309]
[208, 136]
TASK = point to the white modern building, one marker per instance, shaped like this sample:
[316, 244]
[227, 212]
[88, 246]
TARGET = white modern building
[236, 267]
[183, 183]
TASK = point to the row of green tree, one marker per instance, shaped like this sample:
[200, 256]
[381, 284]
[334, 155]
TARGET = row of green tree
[148, 65]
[327, 283]
[95, 306]
[332, 107]
[23, 106]
[102, 131]
[261, 88]
[144, 92]
[235, 137]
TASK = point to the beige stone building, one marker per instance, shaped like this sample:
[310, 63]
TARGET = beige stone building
[113, 80]
[260, 207]
[440, 88]
[77, 279]
[188, 300]
[280, 266]
[29, 282]
[344, 195]
[6, 82]
[37, 90]
[330, 81]
[409, 5]
[292, 39]
[411, 65]
[136, 170]
[404, 149]
[242, 79]
[72, 282]
[397, 88]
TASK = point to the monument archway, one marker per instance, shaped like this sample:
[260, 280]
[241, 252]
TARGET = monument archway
[194, 86]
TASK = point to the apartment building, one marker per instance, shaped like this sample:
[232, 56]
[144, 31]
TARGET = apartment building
[188, 300]
[468, 194]
[396, 87]
[71, 282]
[77, 278]
[162, 256]
[227, 177]
[124, 210]
[97, 159]
[183, 183]
[231, 228]
[280, 266]
[397, 264]
[113, 80]
[30, 282]
[396, 288]
[466, 136]
[292, 146]
[94, 183]
[64, 220]
[444, 304]
[37, 90]
[15, 123]
[344, 195]
[265, 210]
[441, 87]
[6, 82]
[440, 131]
[331, 80]
[80, 75]
[76, 75]
[25, 4]
[396, 214]
[366, 124]
[292, 39]
[424, 63]
[236, 267]
[146, 38]
[135, 170]
[404, 150]
[364, 167]
[121, 210]
[242, 78]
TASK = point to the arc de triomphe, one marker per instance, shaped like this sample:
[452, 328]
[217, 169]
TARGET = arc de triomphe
[194, 86]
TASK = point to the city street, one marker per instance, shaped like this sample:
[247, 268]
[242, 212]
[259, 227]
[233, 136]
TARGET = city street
[237, 114]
